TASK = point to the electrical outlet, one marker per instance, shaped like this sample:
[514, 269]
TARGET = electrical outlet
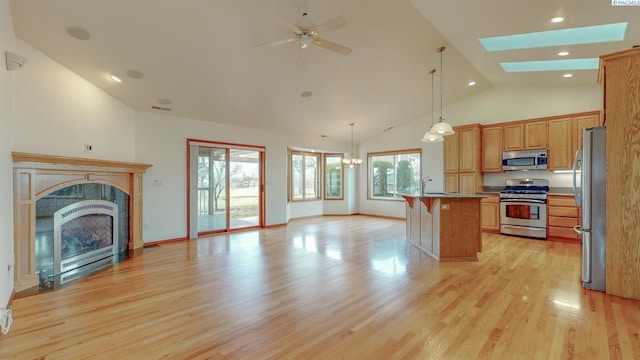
[88, 148]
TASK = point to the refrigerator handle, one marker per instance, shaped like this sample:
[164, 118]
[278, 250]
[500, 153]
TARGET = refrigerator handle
[577, 229]
[576, 194]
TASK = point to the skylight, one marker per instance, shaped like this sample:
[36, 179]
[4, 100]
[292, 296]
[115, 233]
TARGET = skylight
[551, 65]
[573, 36]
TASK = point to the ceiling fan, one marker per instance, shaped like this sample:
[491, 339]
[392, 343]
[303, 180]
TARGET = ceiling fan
[306, 33]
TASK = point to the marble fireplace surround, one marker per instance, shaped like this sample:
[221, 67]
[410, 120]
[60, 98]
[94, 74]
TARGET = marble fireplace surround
[36, 175]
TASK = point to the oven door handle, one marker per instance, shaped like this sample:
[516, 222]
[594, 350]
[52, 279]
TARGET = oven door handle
[524, 227]
[526, 201]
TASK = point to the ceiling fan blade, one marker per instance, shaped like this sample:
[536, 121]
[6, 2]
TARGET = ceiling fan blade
[330, 45]
[277, 42]
[288, 24]
[336, 23]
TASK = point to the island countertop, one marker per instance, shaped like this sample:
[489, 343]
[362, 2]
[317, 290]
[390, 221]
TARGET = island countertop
[444, 195]
[445, 226]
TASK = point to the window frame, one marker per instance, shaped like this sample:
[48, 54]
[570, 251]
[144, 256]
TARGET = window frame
[394, 153]
[340, 157]
[318, 167]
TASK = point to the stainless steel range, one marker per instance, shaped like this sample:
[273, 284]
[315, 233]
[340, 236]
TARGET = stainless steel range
[523, 208]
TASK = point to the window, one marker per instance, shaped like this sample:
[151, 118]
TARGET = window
[333, 177]
[304, 176]
[392, 173]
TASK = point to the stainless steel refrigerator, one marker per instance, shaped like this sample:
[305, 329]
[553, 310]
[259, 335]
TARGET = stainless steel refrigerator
[590, 194]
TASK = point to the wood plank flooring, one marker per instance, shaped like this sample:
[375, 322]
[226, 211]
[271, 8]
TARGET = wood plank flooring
[343, 287]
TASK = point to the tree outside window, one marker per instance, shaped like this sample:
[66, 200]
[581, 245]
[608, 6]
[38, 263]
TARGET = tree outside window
[394, 173]
[304, 176]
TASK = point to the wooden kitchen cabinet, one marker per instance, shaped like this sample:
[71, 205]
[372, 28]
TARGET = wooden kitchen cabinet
[452, 182]
[462, 160]
[563, 215]
[513, 137]
[579, 123]
[451, 153]
[530, 135]
[561, 149]
[490, 213]
[492, 149]
[535, 135]
[620, 81]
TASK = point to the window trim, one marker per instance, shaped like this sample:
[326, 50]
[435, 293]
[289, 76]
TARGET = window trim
[387, 153]
[326, 172]
[318, 176]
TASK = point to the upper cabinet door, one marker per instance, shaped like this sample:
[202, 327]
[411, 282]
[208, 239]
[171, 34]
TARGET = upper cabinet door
[560, 147]
[536, 135]
[469, 147]
[579, 123]
[492, 149]
[451, 153]
[514, 137]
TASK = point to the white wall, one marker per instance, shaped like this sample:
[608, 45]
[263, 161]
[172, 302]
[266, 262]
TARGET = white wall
[494, 105]
[57, 112]
[6, 171]
[161, 141]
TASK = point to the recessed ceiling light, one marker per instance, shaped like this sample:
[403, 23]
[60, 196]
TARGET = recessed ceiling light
[563, 53]
[471, 83]
[116, 78]
[564, 37]
[78, 33]
[557, 19]
[165, 101]
[551, 65]
[135, 74]
[567, 75]
[306, 94]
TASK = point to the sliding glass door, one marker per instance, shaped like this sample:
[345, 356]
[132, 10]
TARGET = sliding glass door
[225, 187]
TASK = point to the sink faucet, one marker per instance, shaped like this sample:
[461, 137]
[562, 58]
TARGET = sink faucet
[425, 180]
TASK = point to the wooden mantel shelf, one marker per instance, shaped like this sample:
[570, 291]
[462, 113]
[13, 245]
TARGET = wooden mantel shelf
[42, 161]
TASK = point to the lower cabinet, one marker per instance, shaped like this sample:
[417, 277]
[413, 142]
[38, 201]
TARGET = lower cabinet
[490, 212]
[563, 215]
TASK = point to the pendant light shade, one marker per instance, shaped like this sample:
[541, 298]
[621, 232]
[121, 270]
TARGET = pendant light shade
[431, 136]
[352, 162]
[441, 127]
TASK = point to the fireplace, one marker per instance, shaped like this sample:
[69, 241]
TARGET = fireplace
[83, 234]
[73, 216]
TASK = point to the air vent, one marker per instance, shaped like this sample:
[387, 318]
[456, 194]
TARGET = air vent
[160, 108]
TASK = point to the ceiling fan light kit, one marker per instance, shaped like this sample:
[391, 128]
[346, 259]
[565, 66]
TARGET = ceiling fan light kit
[306, 33]
[441, 127]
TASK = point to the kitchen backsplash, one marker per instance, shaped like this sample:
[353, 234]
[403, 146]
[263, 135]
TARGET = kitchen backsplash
[556, 180]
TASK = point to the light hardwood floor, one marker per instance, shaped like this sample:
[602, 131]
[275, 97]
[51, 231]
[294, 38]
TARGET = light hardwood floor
[329, 288]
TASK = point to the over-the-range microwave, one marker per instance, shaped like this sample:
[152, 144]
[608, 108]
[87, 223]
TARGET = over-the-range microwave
[524, 160]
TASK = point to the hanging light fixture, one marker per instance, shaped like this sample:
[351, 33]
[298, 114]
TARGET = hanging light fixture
[352, 162]
[442, 127]
[431, 136]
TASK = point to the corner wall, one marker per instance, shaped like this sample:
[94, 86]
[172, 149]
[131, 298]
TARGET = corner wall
[6, 164]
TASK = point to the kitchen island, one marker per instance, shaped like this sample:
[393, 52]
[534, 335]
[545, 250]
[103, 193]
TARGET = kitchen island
[445, 226]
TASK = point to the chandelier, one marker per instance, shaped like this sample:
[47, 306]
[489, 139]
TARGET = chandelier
[352, 162]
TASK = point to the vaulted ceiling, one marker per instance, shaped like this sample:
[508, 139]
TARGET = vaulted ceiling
[198, 58]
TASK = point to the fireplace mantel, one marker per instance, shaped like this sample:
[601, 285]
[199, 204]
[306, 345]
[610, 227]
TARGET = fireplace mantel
[36, 175]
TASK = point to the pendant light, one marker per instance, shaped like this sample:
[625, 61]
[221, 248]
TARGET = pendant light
[431, 136]
[442, 127]
[352, 162]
